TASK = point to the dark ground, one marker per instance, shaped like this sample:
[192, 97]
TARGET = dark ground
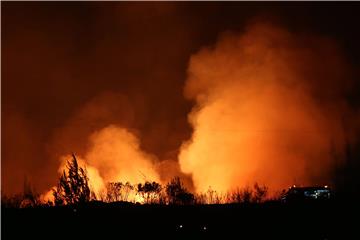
[272, 220]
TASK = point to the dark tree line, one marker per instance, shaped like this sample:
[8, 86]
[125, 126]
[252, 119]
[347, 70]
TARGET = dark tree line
[73, 188]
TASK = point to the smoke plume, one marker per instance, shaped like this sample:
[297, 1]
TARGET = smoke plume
[115, 152]
[269, 109]
[113, 155]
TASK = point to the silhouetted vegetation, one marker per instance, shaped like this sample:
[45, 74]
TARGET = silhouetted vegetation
[165, 212]
[73, 189]
[28, 198]
[73, 185]
[177, 193]
[117, 191]
[150, 192]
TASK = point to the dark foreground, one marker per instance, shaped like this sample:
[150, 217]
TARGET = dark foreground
[273, 220]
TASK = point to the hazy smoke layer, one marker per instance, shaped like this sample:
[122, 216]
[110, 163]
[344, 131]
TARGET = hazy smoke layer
[269, 109]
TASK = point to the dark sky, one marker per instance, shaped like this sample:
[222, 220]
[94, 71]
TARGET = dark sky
[69, 68]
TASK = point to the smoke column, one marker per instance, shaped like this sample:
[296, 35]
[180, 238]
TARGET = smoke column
[269, 109]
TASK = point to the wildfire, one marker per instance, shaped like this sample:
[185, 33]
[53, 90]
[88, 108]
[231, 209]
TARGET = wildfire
[114, 156]
[269, 110]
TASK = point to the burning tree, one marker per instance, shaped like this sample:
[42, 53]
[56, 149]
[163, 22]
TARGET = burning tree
[73, 186]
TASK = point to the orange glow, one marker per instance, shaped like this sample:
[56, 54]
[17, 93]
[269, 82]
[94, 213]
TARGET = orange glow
[96, 182]
[47, 197]
[268, 110]
[114, 155]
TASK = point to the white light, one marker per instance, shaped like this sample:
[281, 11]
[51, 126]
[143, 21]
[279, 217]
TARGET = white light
[180, 226]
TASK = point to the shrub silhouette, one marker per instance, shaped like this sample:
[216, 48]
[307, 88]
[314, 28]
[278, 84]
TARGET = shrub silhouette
[177, 193]
[150, 192]
[73, 186]
[29, 198]
[260, 193]
[210, 197]
[114, 191]
[248, 195]
[13, 201]
[117, 191]
[243, 196]
[126, 189]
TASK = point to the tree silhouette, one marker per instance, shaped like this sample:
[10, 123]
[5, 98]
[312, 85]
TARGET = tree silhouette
[113, 191]
[73, 186]
[177, 193]
[117, 191]
[150, 191]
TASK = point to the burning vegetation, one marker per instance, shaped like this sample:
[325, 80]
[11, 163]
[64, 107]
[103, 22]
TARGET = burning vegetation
[73, 189]
[269, 107]
[185, 124]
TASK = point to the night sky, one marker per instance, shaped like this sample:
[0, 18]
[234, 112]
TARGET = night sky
[70, 68]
